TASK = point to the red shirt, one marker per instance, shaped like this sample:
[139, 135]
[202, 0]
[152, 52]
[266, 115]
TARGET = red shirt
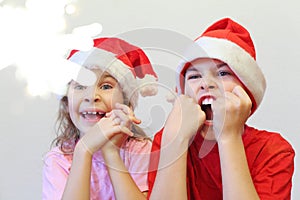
[270, 159]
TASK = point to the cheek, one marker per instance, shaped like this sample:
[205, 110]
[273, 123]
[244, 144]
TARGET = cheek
[190, 89]
[72, 112]
[115, 97]
[230, 85]
[73, 105]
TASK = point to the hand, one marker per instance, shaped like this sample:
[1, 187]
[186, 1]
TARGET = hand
[114, 144]
[118, 121]
[123, 115]
[230, 113]
[185, 118]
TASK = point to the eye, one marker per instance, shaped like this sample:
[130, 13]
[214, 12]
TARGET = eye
[193, 76]
[224, 73]
[79, 87]
[106, 86]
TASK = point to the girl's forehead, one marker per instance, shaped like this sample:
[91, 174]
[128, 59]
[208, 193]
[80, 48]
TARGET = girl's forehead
[102, 75]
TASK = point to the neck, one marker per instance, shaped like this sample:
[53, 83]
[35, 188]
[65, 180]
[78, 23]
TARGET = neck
[207, 133]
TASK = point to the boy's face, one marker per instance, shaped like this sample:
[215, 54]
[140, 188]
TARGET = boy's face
[206, 80]
[88, 104]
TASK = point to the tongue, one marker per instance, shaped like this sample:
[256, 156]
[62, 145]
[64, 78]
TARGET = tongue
[92, 117]
[208, 111]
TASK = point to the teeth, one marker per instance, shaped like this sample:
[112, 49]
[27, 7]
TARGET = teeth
[207, 101]
[92, 113]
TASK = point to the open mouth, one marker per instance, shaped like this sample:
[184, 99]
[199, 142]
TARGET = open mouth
[93, 116]
[206, 107]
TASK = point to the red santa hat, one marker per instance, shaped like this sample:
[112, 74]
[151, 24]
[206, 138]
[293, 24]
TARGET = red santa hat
[127, 63]
[231, 43]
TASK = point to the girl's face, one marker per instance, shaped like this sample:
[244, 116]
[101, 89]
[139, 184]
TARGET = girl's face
[88, 104]
[206, 80]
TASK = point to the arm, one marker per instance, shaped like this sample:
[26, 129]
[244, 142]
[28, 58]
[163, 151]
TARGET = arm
[170, 182]
[183, 122]
[236, 178]
[123, 184]
[228, 127]
[78, 184]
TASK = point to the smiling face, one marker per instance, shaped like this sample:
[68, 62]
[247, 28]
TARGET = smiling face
[206, 80]
[88, 104]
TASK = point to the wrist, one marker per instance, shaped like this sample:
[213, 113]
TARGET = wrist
[173, 145]
[226, 139]
[82, 149]
[107, 151]
[176, 135]
[111, 157]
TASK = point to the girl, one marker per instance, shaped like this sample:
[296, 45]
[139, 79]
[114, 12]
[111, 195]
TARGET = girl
[206, 149]
[101, 153]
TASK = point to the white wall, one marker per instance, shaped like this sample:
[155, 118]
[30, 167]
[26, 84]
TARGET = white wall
[27, 123]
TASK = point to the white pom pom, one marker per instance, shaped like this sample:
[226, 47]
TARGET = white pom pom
[148, 85]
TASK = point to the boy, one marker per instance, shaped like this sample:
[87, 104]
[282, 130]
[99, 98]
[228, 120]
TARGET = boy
[219, 89]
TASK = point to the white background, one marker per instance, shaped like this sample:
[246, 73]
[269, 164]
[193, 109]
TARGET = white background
[26, 122]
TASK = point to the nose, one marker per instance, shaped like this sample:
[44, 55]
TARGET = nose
[92, 95]
[207, 84]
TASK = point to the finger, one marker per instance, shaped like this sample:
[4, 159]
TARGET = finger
[231, 97]
[124, 108]
[135, 120]
[245, 97]
[241, 93]
[127, 110]
[117, 121]
[123, 129]
[118, 113]
[126, 130]
[113, 114]
[125, 116]
[108, 114]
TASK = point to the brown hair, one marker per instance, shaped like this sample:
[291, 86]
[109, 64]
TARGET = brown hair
[67, 133]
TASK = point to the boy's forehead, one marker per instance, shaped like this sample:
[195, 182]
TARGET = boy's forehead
[194, 65]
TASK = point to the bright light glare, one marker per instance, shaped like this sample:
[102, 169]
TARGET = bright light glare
[88, 29]
[33, 38]
[70, 9]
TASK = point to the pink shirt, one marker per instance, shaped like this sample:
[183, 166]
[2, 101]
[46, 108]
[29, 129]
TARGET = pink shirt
[135, 155]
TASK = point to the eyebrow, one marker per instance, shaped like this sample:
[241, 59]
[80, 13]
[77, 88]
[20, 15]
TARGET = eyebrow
[191, 69]
[221, 65]
[106, 76]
